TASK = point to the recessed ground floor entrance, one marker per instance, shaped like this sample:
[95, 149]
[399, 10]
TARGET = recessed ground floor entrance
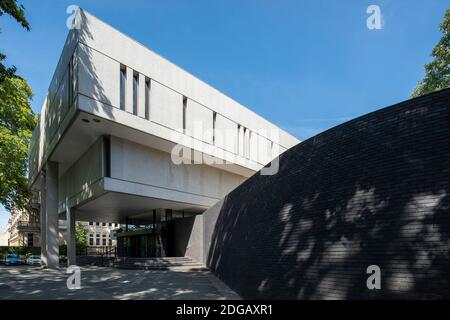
[164, 235]
[166, 225]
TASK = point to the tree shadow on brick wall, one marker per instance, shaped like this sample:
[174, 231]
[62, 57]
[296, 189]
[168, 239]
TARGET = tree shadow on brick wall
[372, 191]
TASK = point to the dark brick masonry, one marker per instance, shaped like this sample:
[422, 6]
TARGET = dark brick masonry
[374, 190]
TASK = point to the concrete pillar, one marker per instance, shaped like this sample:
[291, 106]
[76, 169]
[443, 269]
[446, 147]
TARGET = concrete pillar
[43, 222]
[71, 241]
[51, 209]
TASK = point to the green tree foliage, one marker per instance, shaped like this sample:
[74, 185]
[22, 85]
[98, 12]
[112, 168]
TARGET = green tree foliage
[5, 72]
[17, 121]
[437, 72]
[16, 11]
[81, 236]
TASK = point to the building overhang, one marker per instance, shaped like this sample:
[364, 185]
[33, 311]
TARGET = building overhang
[118, 207]
[85, 128]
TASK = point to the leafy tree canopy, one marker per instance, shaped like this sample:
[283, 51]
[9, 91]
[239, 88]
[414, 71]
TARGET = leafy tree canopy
[5, 71]
[81, 236]
[15, 10]
[10, 7]
[437, 72]
[17, 121]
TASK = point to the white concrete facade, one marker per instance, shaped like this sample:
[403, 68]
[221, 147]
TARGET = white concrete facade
[113, 159]
[22, 229]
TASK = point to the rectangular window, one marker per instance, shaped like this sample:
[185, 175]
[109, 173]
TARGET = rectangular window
[184, 113]
[214, 126]
[107, 156]
[104, 224]
[30, 239]
[97, 241]
[271, 150]
[70, 80]
[243, 142]
[123, 84]
[147, 98]
[135, 92]
[238, 138]
[91, 241]
[249, 141]
[91, 223]
[110, 224]
[97, 223]
[110, 242]
[104, 242]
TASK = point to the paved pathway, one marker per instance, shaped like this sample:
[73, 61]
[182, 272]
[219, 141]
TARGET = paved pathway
[25, 282]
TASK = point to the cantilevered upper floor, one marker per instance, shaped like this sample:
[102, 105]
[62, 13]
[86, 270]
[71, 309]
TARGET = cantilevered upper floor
[108, 85]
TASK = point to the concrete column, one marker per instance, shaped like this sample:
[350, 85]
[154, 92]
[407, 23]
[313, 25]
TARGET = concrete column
[43, 222]
[71, 241]
[51, 209]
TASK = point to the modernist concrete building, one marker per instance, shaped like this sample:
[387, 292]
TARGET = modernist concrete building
[117, 121]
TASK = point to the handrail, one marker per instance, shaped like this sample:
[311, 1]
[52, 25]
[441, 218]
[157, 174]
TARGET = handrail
[108, 251]
[22, 223]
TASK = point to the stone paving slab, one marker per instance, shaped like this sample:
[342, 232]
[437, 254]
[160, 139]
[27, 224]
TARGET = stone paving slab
[97, 283]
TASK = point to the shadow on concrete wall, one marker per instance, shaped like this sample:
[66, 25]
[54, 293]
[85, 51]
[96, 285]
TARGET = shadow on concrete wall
[85, 35]
[372, 191]
[57, 104]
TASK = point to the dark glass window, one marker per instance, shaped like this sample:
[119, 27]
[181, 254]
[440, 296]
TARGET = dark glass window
[123, 83]
[184, 113]
[30, 240]
[214, 126]
[147, 99]
[70, 80]
[135, 92]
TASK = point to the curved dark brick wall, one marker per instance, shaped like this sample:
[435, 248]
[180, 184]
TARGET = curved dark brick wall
[374, 190]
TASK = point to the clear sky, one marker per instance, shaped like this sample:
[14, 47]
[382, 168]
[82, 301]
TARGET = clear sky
[306, 65]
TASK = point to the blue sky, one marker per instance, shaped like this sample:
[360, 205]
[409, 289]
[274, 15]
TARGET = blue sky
[306, 65]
